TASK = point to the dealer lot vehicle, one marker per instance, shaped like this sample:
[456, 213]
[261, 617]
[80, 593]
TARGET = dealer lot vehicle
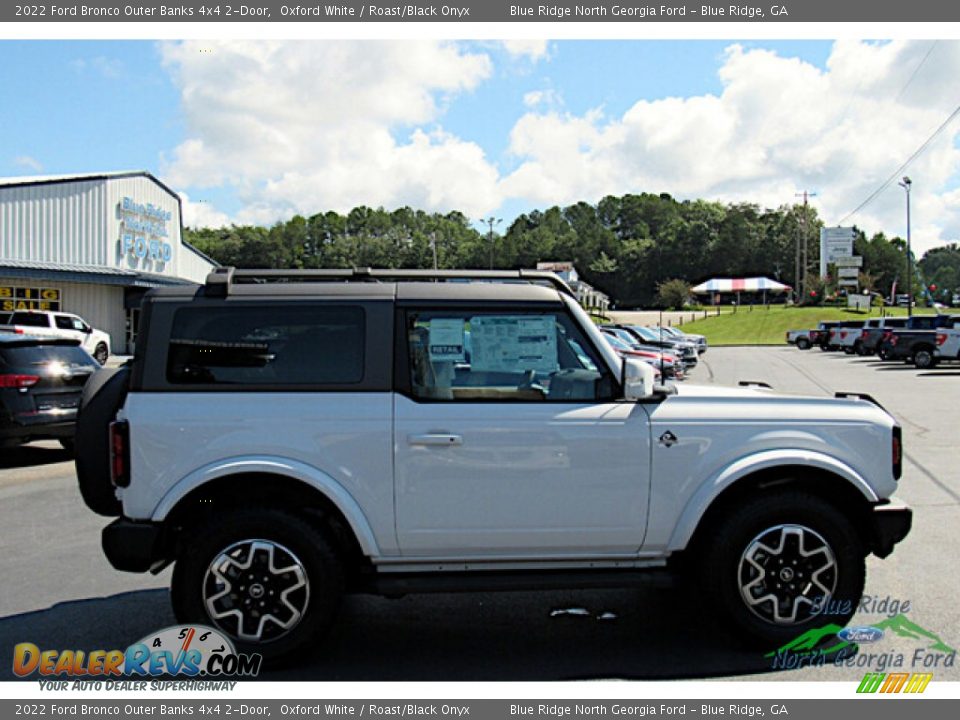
[687, 351]
[847, 335]
[821, 336]
[917, 343]
[803, 339]
[948, 345]
[40, 384]
[873, 332]
[58, 324]
[700, 341]
[669, 366]
[285, 442]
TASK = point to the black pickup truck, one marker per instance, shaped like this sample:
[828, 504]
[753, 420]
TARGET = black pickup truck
[917, 342]
[873, 333]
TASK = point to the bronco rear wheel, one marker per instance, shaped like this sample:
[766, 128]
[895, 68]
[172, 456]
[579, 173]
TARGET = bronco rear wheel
[783, 563]
[267, 578]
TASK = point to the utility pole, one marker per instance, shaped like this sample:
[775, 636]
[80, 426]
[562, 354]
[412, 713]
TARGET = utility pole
[803, 222]
[906, 184]
[433, 244]
[491, 221]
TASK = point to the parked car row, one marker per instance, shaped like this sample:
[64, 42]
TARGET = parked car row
[671, 352]
[922, 340]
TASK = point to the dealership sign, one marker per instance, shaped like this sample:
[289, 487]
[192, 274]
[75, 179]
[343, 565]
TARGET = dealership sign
[835, 243]
[27, 298]
[143, 233]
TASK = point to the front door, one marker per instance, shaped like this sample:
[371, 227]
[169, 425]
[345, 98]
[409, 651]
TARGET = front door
[510, 442]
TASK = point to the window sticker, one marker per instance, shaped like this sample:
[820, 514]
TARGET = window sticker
[514, 343]
[447, 340]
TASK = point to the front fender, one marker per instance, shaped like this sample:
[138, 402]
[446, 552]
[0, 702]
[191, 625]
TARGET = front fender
[311, 476]
[748, 465]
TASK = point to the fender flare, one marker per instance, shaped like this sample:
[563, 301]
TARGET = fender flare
[310, 476]
[700, 501]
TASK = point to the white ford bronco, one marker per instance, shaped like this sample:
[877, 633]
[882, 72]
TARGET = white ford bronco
[288, 437]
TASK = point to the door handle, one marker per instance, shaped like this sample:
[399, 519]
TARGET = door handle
[435, 439]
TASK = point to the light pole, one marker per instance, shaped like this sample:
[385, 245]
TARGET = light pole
[491, 221]
[906, 183]
[433, 244]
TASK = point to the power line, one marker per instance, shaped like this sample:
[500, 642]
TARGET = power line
[915, 71]
[896, 173]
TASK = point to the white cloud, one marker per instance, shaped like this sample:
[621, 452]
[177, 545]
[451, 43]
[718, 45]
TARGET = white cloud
[546, 98]
[32, 164]
[310, 126]
[201, 214]
[779, 125]
[534, 50]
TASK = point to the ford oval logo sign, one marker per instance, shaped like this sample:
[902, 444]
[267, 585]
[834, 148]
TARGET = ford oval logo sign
[861, 634]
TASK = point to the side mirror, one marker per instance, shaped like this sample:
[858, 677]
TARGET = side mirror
[637, 379]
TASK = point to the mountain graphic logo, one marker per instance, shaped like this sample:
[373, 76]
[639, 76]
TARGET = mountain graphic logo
[826, 641]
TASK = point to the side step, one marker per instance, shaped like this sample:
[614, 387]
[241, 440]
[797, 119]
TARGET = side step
[398, 584]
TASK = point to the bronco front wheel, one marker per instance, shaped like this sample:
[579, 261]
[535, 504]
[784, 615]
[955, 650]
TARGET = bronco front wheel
[784, 563]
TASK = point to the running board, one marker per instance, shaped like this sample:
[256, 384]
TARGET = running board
[397, 584]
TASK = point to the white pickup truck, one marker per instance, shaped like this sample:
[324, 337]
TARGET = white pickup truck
[58, 324]
[948, 344]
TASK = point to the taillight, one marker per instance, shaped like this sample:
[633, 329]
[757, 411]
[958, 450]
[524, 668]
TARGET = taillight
[863, 334]
[843, 335]
[120, 453]
[941, 338]
[14, 380]
[897, 448]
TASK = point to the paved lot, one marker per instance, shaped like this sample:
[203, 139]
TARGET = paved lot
[59, 592]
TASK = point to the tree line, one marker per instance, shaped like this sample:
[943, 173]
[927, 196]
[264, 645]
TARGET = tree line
[626, 246]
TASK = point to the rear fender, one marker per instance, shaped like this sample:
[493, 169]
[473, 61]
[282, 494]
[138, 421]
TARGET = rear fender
[311, 476]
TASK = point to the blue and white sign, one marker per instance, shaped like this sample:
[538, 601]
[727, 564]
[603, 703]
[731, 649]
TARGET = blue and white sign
[143, 233]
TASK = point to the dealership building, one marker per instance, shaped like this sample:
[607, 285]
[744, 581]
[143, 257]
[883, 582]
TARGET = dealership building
[93, 245]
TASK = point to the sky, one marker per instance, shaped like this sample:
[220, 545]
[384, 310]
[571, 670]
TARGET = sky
[257, 131]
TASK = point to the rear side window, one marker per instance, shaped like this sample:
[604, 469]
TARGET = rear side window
[267, 346]
[30, 320]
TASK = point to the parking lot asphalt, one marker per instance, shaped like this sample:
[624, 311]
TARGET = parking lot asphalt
[59, 592]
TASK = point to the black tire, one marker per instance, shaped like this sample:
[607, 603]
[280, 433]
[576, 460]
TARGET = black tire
[848, 350]
[103, 395]
[882, 354]
[295, 540]
[101, 354]
[68, 444]
[858, 348]
[803, 343]
[824, 348]
[727, 574]
[924, 359]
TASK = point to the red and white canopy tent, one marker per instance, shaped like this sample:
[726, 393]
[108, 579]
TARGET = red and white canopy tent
[739, 285]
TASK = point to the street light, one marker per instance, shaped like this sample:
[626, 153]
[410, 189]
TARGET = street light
[906, 183]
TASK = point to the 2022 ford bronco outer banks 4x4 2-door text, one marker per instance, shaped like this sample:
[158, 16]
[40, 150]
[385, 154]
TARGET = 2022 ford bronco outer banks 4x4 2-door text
[284, 438]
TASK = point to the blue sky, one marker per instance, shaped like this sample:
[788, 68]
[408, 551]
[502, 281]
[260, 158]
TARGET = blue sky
[600, 122]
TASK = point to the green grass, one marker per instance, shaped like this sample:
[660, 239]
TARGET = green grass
[769, 326]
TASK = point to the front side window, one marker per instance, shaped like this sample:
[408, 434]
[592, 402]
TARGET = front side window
[475, 356]
[267, 346]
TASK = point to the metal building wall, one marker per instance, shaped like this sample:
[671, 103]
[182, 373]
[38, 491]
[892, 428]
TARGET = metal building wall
[62, 222]
[143, 191]
[99, 305]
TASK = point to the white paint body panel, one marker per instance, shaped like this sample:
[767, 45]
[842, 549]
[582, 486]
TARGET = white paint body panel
[523, 478]
[88, 341]
[561, 483]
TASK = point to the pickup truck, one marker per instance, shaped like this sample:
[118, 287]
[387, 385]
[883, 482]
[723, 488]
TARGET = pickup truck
[58, 324]
[805, 339]
[948, 345]
[873, 332]
[844, 336]
[917, 342]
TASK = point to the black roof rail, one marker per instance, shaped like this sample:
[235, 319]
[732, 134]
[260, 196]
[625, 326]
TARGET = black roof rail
[221, 279]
